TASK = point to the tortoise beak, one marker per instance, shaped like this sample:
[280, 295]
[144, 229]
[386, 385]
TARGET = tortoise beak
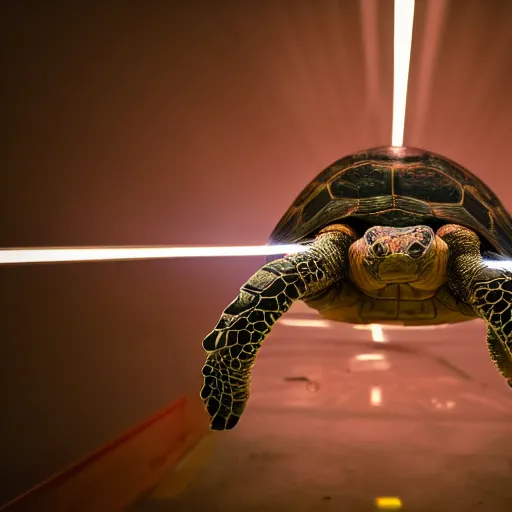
[398, 268]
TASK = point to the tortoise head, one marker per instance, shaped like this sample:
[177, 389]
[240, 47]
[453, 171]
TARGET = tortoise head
[387, 255]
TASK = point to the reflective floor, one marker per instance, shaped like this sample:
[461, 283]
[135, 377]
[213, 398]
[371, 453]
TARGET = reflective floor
[337, 421]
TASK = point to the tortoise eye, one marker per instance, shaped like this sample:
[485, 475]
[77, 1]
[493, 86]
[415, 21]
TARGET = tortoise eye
[415, 250]
[379, 249]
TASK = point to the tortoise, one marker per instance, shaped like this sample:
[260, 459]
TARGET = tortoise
[390, 235]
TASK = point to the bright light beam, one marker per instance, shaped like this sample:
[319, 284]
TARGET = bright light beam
[376, 330]
[404, 16]
[376, 395]
[76, 254]
[499, 264]
[305, 322]
[370, 357]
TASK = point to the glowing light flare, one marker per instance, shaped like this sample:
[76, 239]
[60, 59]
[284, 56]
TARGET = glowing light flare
[378, 335]
[388, 503]
[499, 264]
[305, 322]
[370, 357]
[393, 327]
[376, 331]
[376, 396]
[404, 16]
[449, 404]
[78, 254]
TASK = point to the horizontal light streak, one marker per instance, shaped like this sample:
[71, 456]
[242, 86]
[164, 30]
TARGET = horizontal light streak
[378, 330]
[392, 327]
[370, 357]
[305, 322]
[499, 264]
[77, 254]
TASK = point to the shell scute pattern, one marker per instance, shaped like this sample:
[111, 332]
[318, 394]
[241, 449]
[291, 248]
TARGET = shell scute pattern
[362, 180]
[427, 184]
[397, 187]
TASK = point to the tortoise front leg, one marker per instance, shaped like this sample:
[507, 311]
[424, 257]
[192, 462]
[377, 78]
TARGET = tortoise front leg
[486, 290]
[231, 347]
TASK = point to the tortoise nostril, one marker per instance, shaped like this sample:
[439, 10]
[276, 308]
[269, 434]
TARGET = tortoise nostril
[415, 250]
[426, 237]
[379, 249]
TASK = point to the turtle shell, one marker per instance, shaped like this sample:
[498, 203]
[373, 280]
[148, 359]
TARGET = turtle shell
[397, 186]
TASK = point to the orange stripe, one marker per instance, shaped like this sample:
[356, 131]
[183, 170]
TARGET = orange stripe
[162, 439]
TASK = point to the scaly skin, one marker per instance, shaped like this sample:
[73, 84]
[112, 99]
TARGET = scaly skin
[488, 291]
[233, 344]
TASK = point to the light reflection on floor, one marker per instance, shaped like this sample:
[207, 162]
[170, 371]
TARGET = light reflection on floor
[337, 421]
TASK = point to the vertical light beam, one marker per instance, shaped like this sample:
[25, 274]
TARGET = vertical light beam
[377, 333]
[404, 16]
